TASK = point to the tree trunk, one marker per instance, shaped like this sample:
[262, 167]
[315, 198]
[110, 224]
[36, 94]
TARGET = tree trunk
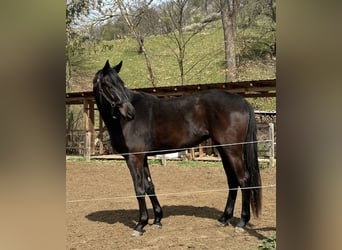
[181, 69]
[181, 48]
[229, 10]
[68, 73]
[133, 28]
[147, 60]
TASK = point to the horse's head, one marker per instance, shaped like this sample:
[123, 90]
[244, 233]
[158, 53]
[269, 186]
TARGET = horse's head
[109, 87]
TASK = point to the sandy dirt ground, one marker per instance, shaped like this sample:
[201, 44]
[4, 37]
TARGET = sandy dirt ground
[101, 209]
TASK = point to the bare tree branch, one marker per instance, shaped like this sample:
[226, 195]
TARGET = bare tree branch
[138, 36]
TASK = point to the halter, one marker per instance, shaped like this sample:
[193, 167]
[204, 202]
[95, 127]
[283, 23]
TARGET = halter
[112, 103]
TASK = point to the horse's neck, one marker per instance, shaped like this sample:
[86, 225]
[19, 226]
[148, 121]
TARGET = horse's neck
[130, 94]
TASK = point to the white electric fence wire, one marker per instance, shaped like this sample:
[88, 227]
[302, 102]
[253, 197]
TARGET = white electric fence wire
[186, 148]
[170, 194]
[180, 193]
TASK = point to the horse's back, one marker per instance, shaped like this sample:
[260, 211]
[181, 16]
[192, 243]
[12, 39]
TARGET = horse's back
[207, 106]
[224, 98]
[206, 97]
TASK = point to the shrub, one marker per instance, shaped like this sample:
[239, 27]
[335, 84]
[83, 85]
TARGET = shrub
[268, 244]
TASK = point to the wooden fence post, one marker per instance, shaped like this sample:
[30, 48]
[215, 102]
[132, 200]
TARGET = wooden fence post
[271, 136]
[91, 124]
[192, 154]
[163, 159]
[87, 146]
[101, 136]
[200, 151]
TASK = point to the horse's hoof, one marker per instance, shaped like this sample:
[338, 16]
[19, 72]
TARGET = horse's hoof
[222, 224]
[156, 226]
[136, 233]
[239, 230]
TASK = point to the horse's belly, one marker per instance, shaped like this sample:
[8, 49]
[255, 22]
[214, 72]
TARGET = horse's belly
[180, 138]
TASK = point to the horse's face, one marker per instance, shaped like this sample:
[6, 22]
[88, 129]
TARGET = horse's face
[110, 88]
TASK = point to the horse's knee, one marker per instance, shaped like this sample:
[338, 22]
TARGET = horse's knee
[140, 193]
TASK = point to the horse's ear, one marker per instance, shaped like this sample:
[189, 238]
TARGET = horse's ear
[106, 68]
[118, 67]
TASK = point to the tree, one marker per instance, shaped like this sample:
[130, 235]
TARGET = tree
[133, 24]
[260, 16]
[177, 20]
[229, 10]
[148, 20]
[107, 31]
[74, 9]
[131, 11]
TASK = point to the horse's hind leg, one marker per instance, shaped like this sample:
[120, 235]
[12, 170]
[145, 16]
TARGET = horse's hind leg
[149, 188]
[232, 193]
[243, 177]
[237, 176]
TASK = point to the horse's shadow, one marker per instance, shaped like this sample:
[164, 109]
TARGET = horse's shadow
[128, 217]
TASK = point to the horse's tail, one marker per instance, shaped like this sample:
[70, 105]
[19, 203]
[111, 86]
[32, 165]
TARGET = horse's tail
[251, 161]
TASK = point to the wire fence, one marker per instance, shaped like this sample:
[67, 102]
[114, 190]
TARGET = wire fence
[169, 194]
[78, 143]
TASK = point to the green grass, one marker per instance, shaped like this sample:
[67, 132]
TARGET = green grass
[209, 65]
[75, 159]
[263, 165]
[205, 51]
[188, 163]
[269, 244]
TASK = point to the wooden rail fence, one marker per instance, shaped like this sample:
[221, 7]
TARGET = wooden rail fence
[258, 88]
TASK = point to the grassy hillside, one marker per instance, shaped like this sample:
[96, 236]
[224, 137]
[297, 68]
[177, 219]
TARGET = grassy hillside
[204, 54]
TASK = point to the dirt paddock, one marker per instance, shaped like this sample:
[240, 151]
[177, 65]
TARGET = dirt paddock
[101, 209]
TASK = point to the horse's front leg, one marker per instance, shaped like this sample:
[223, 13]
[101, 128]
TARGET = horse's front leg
[135, 164]
[149, 188]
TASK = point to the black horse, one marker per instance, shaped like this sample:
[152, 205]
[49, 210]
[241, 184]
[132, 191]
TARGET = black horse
[140, 124]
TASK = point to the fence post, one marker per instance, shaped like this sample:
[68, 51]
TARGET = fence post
[87, 146]
[271, 136]
[101, 136]
[192, 154]
[200, 150]
[163, 159]
[91, 124]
